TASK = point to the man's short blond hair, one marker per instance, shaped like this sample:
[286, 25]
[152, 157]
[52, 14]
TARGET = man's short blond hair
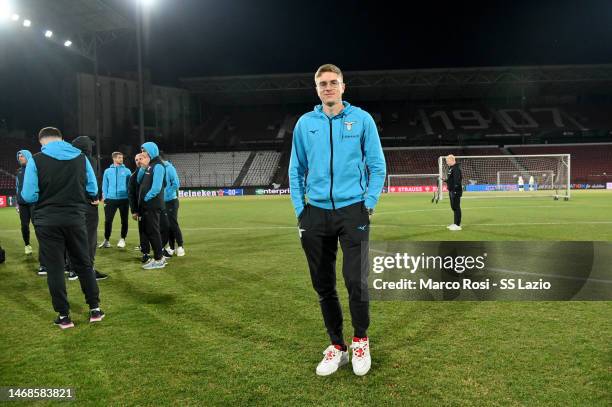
[117, 153]
[328, 68]
[450, 157]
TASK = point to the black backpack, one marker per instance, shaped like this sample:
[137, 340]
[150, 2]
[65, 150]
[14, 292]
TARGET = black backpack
[2, 255]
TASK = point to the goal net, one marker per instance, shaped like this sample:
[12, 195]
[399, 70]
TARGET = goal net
[542, 175]
[412, 183]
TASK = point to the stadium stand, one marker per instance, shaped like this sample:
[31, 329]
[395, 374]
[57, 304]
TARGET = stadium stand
[425, 160]
[218, 169]
[262, 169]
[591, 163]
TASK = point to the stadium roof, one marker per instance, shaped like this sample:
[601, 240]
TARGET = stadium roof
[75, 16]
[415, 84]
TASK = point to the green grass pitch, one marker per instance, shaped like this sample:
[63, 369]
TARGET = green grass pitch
[236, 322]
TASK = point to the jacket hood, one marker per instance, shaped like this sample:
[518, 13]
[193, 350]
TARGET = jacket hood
[25, 153]
[60, 150]
[151, 148]
[85, 144]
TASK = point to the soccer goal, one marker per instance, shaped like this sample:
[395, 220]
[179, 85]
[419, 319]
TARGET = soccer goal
[542, 175]
[412, 182]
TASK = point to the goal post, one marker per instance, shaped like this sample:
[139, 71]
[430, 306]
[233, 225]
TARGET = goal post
[543, 175]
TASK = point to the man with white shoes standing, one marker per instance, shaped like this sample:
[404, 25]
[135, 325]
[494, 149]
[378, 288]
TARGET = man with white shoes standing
[23, 208]
[455, 190]
[171, 227]
[337, 163]
[115, 195]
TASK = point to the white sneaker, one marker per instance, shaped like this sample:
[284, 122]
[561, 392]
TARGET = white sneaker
[454, 227]
[155, 264]
[450, 226]
[169, 250]
[121, 243]
[28, 249]
[333, 359]
[105, 244]
[180, 252]
[361, 357]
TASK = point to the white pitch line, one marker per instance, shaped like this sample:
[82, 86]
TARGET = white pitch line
[383, 226]
[470, 208]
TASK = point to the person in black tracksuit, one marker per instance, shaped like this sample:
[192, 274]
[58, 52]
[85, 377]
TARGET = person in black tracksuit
[60, 181]
[85, 144]
[151, 201]
[25, 210]
[133, 194]
[454, 182]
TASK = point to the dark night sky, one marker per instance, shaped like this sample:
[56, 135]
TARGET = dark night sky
[204, 37]
[239, 37]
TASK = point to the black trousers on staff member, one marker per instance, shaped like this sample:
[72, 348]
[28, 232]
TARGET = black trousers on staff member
[174, 230]
[150, 220]
[145, 246]
[53, 241]
[110, 208]
[320, 231]
[455, 203]
[25, 216]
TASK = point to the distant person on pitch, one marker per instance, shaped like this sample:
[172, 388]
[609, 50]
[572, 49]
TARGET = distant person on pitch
[23, 208]
[455, 190]
[337, 163]
[115, 195]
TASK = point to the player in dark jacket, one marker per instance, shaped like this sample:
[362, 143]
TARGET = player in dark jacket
[60, 181]
[85, 144]
[151, 201]
[133, 193]
[454, 182]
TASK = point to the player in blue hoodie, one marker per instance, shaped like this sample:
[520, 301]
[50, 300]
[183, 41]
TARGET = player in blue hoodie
[336, 174]
[115, 194]
[172, 233]
[24, 209]
[151, 179]
[61, 183]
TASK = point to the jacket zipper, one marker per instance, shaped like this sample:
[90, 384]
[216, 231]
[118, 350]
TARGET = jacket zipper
[360, 177]
[331, 165]
[116, 183]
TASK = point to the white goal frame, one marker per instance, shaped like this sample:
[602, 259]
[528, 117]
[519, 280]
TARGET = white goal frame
[558, 190]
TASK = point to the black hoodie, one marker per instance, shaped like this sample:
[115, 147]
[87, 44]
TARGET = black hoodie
[85, 144]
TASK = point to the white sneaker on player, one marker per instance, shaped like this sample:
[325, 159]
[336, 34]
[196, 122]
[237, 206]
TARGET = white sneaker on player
[454, 227]
[169, 250]
[28, 249]
[121, 243]
[180, 251]
[450, 226]
[155, 264]
[333, 359]
[362, 361]
[105, 244]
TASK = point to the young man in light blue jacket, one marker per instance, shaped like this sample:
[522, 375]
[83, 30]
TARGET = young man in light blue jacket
[115, 194]
[336, 173]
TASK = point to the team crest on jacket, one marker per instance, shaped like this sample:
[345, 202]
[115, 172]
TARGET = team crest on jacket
[349, 125]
